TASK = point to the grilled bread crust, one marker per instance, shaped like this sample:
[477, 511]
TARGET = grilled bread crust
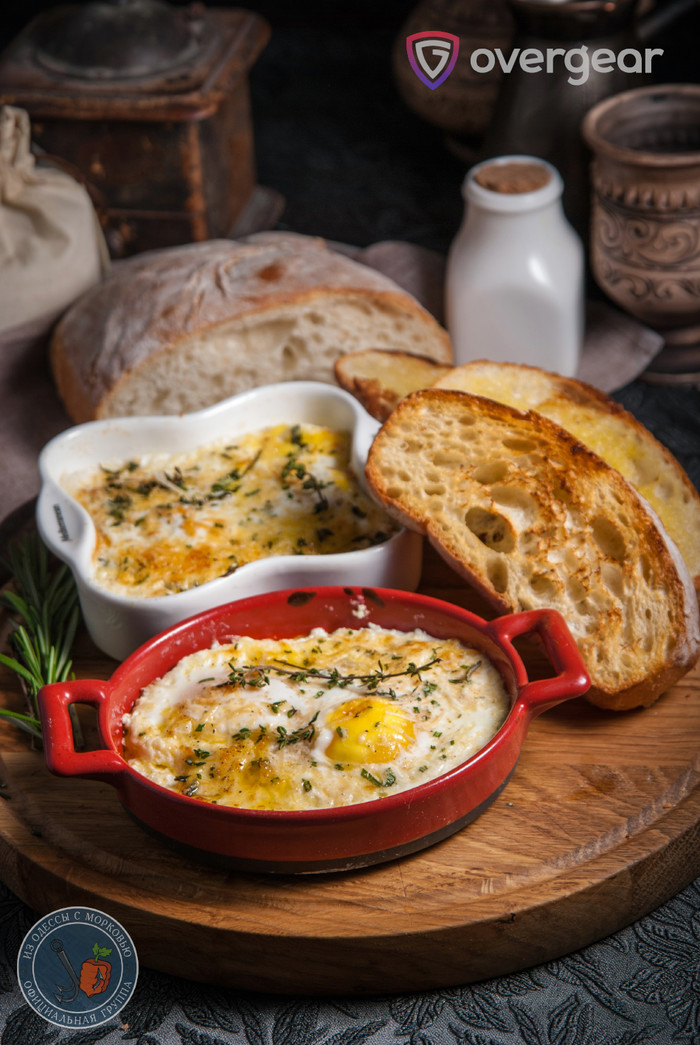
[380, 379]
[533, 518]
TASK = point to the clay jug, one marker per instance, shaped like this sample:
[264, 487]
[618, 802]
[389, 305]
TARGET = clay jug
[645, 227]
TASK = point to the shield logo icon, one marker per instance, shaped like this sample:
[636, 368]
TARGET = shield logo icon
[432, 55]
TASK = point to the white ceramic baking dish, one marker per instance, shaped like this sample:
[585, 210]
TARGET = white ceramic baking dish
[118, 623]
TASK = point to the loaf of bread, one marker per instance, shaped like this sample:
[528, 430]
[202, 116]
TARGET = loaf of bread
[174, 330]
[380, 382]
[532, 518]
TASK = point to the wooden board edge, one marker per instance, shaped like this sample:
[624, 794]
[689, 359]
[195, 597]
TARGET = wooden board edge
[500, 942]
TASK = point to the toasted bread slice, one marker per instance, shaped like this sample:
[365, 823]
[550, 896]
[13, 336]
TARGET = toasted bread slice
[606, 428]
[380, 378]
[533, 518]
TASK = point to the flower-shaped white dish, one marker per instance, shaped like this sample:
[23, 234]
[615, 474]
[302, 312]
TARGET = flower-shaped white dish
[117, 622]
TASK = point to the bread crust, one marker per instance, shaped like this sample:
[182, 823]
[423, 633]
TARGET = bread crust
[379, 379]
[154, 303]
[532, 517]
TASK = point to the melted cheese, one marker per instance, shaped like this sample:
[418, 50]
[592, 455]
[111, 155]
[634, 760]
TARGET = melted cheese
[317, 721]
[170, 522]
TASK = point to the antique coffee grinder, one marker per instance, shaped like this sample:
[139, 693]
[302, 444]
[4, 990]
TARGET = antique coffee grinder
[149, 104]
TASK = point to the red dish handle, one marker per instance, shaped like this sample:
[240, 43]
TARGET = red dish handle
[571, 680]
[59, 745]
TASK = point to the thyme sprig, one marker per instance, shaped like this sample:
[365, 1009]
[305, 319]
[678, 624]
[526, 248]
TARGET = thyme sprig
[230, 482]
[281, 736]
[122, 493]
[389, 780]
[255, 677]
[469, 670]
[293, 468]
[43, 602]
[336, 678]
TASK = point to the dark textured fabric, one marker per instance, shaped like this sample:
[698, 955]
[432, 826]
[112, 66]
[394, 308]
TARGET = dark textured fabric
[640, 986]
[672, 413]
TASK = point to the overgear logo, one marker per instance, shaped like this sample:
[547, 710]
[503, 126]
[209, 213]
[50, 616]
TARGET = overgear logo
[432, 55]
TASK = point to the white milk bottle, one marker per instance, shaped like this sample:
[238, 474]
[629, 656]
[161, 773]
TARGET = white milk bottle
[515, 271]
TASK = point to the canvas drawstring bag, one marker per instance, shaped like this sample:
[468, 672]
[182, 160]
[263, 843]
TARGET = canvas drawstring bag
[52, 248]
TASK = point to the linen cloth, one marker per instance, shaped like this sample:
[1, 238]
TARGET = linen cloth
[51, 245]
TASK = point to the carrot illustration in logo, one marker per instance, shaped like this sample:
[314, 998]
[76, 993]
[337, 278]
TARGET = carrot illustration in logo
[95, 972]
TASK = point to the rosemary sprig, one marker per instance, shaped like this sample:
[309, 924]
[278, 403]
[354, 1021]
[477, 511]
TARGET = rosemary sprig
[43, 602]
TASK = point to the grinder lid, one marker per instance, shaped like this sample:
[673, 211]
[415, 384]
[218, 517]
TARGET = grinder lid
[120, 39]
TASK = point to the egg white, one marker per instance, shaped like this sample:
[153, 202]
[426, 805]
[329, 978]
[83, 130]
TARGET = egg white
[166, 523]
[301, 733]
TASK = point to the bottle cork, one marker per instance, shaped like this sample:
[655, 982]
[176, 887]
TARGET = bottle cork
[512, 178]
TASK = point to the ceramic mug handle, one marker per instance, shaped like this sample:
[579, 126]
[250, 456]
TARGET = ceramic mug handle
[54, 702]
[571, 679]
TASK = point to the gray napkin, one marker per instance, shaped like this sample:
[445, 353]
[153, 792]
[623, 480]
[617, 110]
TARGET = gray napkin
[617, 349]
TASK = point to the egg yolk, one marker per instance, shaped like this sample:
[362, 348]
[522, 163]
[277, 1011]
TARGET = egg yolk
[368, 729]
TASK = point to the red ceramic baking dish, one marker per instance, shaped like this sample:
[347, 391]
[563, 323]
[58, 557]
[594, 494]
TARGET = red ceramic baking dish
[324, 839]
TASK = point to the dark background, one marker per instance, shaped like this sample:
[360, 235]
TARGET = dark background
[334, 137]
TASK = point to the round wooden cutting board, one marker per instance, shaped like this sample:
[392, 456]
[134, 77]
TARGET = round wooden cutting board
[598, 826]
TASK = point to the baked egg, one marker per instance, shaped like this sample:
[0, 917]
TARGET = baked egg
[324, 719]
[169, 522]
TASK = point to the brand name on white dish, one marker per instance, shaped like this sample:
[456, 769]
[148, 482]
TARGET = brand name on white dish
[61, 522]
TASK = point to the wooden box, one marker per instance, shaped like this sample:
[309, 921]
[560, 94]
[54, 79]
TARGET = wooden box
[162, 137]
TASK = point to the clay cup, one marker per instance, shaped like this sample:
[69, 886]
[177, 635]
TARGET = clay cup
[645, 220]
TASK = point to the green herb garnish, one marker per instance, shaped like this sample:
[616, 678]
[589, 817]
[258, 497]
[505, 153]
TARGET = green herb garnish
[387, 782]
[469, 670]
[43, 602]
